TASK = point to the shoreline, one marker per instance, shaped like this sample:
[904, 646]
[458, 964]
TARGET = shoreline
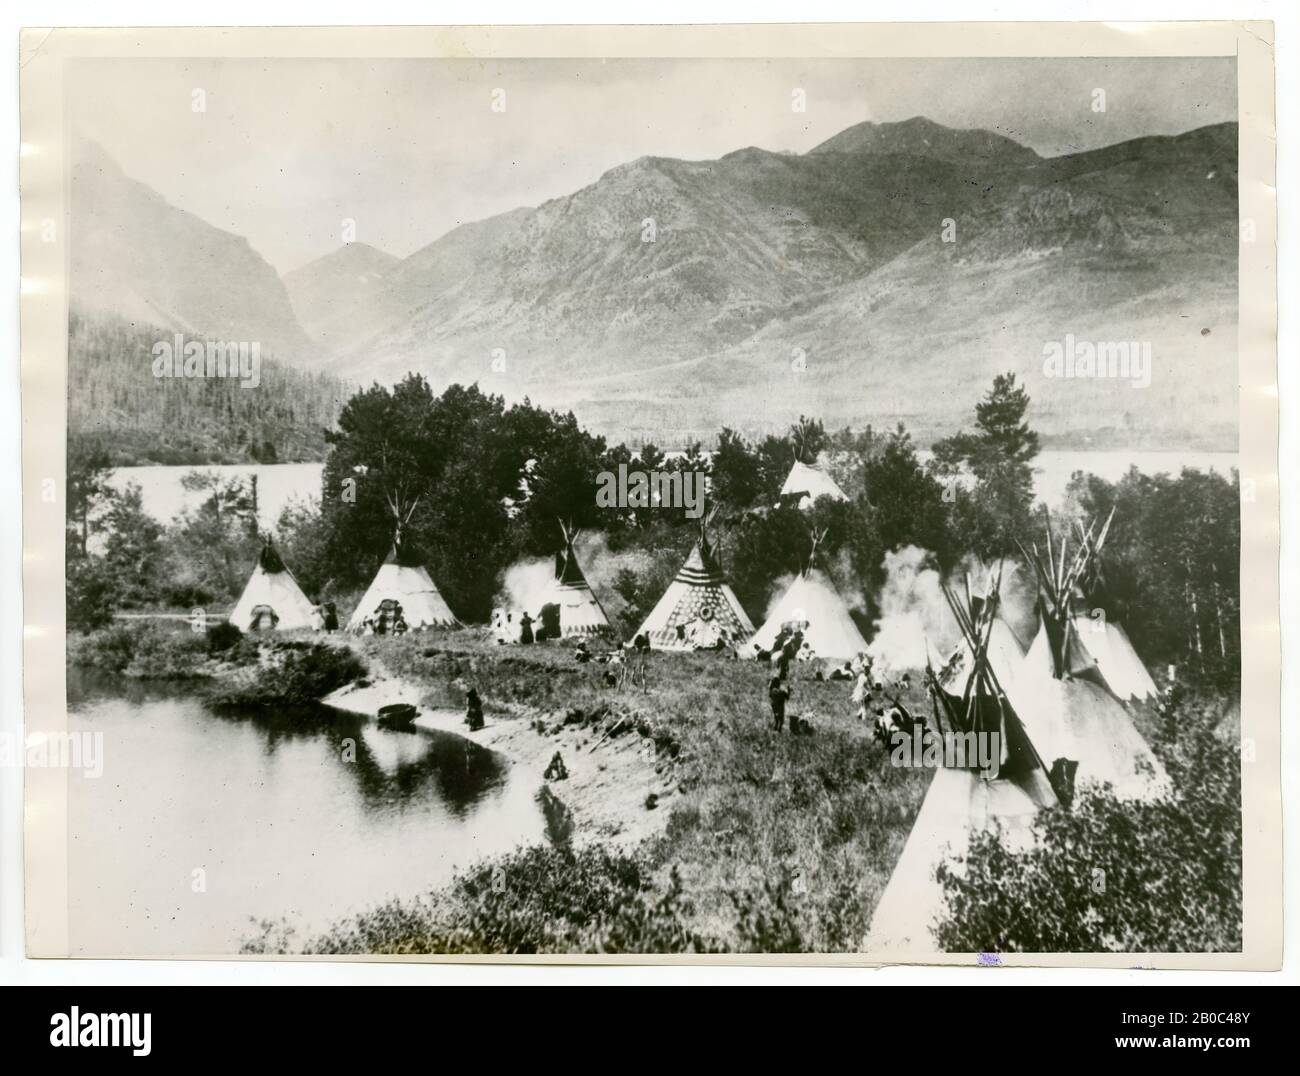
[608, 782]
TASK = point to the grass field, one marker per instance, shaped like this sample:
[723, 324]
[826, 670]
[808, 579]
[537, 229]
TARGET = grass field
[777, 842]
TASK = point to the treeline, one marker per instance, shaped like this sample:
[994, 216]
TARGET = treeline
[476, 485]
[116, 404]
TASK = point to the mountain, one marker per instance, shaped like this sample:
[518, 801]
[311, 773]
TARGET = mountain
[835, 259]
[325, 291]
[143, 270]
[920, 137]
[884, 276]
[135, 256]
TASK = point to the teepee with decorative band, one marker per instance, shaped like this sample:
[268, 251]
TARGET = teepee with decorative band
[272, 598]
[580, 611]
[1062, 693]
[965, 798]
[699, 610]
[812, 605]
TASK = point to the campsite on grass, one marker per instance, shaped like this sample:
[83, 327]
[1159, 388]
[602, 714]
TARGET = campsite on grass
[631, 730]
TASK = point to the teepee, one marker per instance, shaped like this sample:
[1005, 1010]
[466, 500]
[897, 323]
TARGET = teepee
[807, 483]
[963, 800]
[812, 604]
[1104, 638]
[403, 581]
[272, 597]
[1005, 651]
[580, 612]
[699, 609]
[1061, 691]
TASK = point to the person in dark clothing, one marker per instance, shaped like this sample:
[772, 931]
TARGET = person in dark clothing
[777, 694]
[525, 629]
[473, 710]
[582, 654]
[331, 617]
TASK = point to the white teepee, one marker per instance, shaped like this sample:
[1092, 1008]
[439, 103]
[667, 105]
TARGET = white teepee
[1005, 651]
[1063, 697]
[699, 609]
[962, 802]
[813, 605]
[1102, 636]
[808, 483]
[580, 611]
[408, 585]
[272, 597]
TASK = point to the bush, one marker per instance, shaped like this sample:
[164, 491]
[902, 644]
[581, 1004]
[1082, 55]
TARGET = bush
[1114, 876]
[536, 900]
[291, 673]
[89, 595]
[223, 636]
[145, 649]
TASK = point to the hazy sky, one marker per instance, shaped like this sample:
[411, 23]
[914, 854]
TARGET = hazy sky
[287, 149]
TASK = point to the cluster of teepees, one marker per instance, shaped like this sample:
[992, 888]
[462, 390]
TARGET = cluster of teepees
[272, 598]
[812, 603]
[1061, 689]
[699, 610]
[962, 799]
[580, 610]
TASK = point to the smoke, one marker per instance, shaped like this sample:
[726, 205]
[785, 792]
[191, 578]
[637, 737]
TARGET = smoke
[524, 585]
[913, 612]
[779, 588]
[526, 582]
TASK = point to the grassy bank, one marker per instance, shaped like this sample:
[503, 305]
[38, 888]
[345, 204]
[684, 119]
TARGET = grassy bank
[227, 667]
[770, 842]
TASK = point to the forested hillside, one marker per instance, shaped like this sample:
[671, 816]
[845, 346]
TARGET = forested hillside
[114, 401]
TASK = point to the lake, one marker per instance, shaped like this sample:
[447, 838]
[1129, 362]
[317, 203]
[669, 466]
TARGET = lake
[307, 817]
[278, 484]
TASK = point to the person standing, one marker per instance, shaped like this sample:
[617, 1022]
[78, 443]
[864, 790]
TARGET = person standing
[778, 693]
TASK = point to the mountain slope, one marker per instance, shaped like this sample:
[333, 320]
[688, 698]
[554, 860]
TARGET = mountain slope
[136, 256]
[325, 291]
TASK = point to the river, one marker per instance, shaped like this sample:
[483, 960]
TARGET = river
[205, 823]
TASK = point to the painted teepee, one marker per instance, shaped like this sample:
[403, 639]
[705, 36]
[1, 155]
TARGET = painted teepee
[699, 610]
[272, 597]
[1062, 694]
[812, 605]
[580, 611]
[963, 799]
[402, 581]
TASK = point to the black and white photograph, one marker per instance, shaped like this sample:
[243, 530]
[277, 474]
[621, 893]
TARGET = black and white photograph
[690, 505]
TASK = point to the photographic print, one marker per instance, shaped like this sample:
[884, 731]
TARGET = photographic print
[652, 494]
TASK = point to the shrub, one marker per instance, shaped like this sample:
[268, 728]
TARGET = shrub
[293, 672]
[223, 636]
[536, 900]
[1113, 875]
